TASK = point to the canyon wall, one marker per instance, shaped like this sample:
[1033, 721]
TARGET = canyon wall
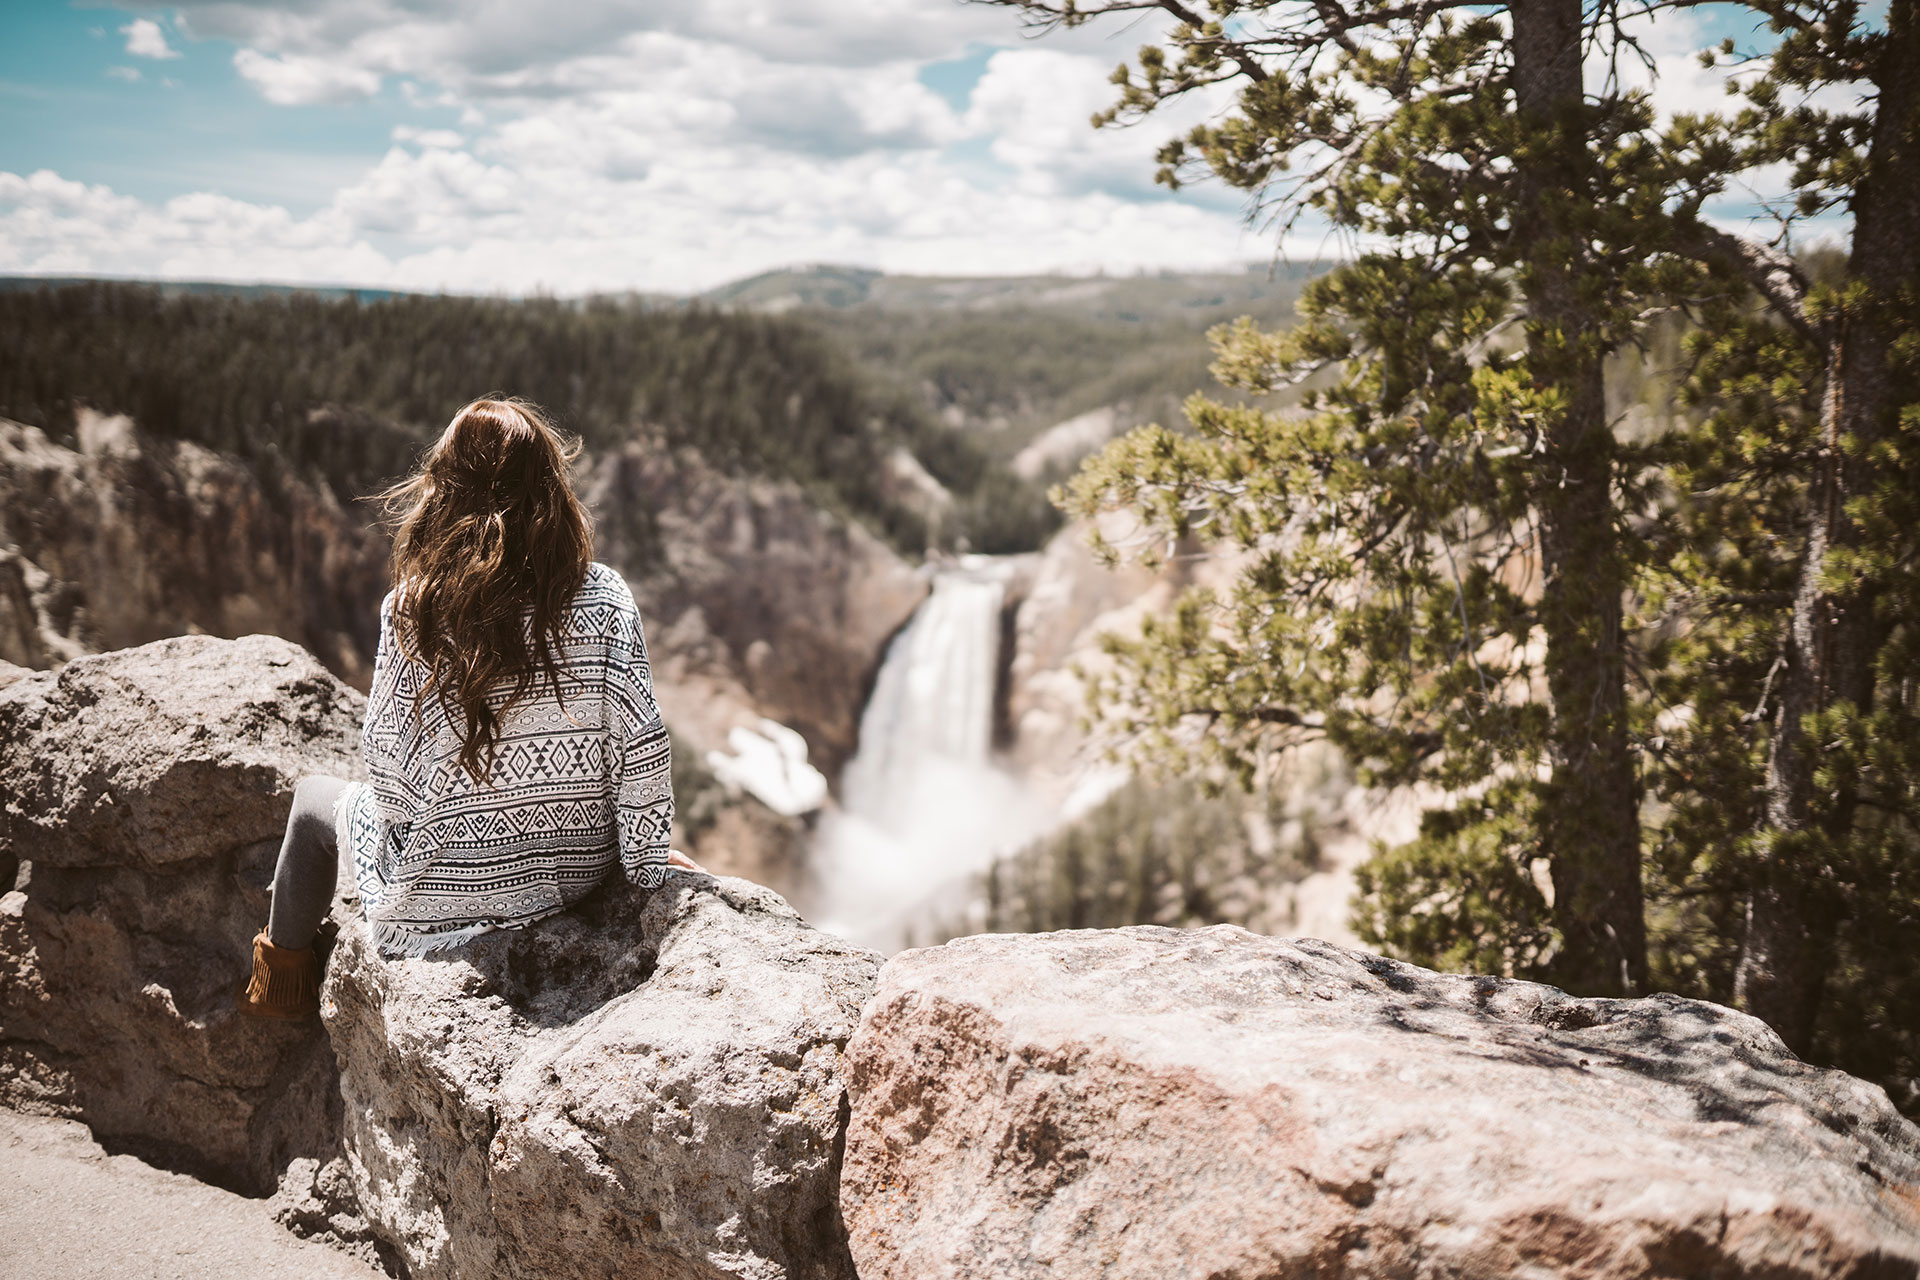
[757, 603]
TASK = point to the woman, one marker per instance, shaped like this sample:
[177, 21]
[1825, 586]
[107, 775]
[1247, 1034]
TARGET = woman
[512, 738]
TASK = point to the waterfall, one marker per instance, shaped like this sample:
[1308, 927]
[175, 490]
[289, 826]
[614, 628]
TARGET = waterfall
[923, 804]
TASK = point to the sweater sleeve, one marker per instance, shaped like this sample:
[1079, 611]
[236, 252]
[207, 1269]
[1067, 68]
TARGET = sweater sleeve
[642, 763]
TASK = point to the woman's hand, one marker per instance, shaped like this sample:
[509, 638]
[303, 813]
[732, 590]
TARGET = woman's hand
[681, 862]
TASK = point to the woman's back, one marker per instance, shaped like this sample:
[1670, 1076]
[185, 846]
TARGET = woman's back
[579, 778]
[513, 744]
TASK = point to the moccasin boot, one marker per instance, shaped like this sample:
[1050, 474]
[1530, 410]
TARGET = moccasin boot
[285, 982]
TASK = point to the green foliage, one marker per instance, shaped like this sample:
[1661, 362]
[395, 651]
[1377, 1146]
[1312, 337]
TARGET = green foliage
[1441, 538]
[350, 390]
[1465, 895]
[1018, 370]
[1392, 538]
[1176, 853]
[1000, 515]
[1717, 599]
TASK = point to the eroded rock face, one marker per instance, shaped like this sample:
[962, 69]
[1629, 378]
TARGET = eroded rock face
[757, 602]
[647, 1085]
[129, 538]
[142, 798]
[1154, 1103]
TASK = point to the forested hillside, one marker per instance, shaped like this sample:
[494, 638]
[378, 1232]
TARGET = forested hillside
[351, 389]
[1017, 354]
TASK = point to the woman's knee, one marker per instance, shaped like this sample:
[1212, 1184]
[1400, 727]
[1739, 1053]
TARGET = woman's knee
[311, 818]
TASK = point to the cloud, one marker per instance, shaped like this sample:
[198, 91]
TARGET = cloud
[445, 218]
[291, 80]
[427, 137]
[129, 74]
[657, 144]
[52, 225]
[146, 40]
[474, 45]
[1036, 105]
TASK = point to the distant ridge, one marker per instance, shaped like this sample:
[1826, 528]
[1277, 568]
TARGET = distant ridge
[1162, 294]
[173, 288]
[830, 287]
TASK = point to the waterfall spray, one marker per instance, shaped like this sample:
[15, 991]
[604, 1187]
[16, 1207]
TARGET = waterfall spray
[924, 806]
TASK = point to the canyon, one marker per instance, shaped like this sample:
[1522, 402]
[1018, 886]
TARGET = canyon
[862, 734]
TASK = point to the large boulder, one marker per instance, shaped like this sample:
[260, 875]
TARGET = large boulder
[1154, 1103]
[647, 1085]
[142, 797]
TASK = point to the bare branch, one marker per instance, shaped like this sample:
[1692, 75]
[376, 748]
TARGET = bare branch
[1775, 274]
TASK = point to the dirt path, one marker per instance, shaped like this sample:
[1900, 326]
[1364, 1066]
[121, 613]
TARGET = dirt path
[70, 1211]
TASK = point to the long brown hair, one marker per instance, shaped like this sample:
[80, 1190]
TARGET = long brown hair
[487, 529]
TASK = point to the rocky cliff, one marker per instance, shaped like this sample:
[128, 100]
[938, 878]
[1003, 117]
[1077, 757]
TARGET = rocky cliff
[127, 539]
[693, 1083]
[757, 602]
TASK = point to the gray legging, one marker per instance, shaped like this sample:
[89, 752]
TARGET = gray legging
[303, 879]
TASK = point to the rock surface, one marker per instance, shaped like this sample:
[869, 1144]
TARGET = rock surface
[649, 1085]
[142, 797]
[70, 1210]
[129, 538]
[1153, 1103]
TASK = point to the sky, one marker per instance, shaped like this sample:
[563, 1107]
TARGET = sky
[599, 145]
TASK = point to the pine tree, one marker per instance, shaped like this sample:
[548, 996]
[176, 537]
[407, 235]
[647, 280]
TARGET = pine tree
[1456, 568]
[1440, 545]
[1817, 422]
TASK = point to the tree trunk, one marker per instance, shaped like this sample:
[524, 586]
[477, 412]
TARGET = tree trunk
[1835, 635]
[1590, 821]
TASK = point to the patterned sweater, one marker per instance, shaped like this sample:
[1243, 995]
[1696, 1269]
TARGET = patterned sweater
[578, 783]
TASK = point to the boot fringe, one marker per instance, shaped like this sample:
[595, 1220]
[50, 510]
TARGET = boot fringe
[284, 984]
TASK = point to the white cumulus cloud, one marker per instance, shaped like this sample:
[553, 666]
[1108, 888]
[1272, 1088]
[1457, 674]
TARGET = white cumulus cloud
[660, 144]
[292, 80]
[145, 39]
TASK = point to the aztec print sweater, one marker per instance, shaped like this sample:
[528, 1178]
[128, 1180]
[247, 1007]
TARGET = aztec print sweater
[578, 783]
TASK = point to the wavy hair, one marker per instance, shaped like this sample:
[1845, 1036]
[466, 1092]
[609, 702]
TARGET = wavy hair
[490, 545]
